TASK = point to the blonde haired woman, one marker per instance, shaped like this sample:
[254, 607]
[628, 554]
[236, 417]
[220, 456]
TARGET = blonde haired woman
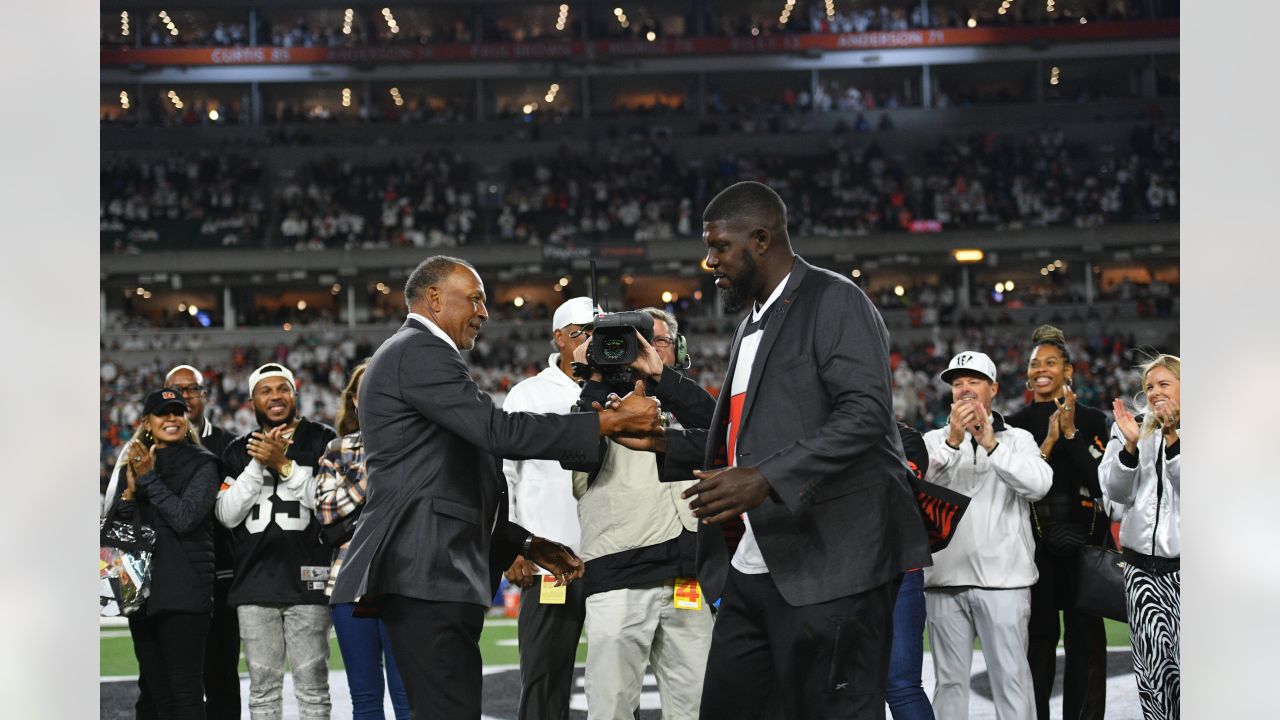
[1142, 469]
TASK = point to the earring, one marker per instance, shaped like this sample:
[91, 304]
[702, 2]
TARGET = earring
[1028, 384]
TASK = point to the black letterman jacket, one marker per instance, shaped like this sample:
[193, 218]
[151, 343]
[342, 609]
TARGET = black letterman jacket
[278, 554]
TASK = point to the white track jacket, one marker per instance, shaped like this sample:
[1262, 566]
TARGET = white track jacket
[993, 546]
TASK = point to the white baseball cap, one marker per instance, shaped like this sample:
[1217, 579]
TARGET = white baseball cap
[574, 311]
[271, 370]
[969, 361]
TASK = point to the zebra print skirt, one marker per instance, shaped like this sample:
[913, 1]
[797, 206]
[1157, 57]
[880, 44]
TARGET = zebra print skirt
[1155, 611]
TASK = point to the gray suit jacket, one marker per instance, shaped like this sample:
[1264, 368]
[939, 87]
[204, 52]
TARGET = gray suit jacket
[435, 526]
[818, 423]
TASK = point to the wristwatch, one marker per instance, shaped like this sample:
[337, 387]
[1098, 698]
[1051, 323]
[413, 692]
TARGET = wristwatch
[528, 543]
[286, 469]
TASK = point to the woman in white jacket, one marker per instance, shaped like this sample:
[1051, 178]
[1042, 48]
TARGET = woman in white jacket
[1142, 469]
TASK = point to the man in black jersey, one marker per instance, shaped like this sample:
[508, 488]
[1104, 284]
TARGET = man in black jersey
[268, 501]
[222, 651]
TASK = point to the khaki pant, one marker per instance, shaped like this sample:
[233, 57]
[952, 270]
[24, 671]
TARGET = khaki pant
[627, 629]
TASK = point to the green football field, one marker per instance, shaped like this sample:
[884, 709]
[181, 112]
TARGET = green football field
[497, 646]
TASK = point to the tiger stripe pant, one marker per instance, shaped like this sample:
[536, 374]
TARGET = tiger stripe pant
[1155, 611]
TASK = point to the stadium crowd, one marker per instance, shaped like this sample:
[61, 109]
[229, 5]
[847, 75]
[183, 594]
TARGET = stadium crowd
[642, 192]
[414, 26]
[322, 362]
[209, 199]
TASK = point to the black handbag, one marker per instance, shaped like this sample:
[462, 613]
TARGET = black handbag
[1100, 582]
[335, 535]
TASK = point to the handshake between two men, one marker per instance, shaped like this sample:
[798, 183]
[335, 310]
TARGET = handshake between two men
[677, 445]
[634, 418]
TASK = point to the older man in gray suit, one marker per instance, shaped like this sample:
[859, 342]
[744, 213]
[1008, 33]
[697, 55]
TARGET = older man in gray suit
[808, 520]
[434, 536]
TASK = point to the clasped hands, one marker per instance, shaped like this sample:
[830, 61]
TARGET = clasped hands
[562, 562]
[269, 447]
[971, 415]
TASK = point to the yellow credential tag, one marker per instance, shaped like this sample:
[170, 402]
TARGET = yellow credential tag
[551, 595]
[688, 594]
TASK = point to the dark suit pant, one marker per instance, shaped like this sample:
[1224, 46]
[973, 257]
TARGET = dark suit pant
[828, 660]
[549, 637]
[436, 646]
[1084, 677]
[222, 658]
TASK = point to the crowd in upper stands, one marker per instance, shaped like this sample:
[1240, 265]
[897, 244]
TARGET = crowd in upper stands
[417, 26]
[209, 199]
[643, 192]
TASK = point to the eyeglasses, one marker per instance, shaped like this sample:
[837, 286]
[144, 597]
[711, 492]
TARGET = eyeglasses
[662, 341]
[191, 390]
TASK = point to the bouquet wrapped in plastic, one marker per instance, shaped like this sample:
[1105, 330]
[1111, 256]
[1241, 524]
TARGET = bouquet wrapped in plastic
[124, 566]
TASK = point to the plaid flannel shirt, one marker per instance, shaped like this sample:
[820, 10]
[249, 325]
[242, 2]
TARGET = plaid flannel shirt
[341, 489]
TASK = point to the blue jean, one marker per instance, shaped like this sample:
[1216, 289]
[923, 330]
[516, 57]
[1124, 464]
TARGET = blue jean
[905, 691]
[364, 644]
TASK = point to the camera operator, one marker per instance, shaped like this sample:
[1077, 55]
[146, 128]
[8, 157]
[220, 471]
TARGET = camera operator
[643, 601]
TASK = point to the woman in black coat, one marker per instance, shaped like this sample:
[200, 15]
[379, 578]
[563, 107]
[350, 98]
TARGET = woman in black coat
[172, 484]
[1072, 439]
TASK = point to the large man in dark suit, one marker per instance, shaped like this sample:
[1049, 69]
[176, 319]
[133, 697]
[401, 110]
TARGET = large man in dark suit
[806, 452]
[434, 536]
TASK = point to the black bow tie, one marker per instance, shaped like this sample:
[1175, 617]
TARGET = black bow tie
[754, 325]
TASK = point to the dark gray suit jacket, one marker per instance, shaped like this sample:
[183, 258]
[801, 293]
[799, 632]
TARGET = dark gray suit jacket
[818, 423]
[435, 524]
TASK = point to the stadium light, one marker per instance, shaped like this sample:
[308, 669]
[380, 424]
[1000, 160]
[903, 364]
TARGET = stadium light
[213, 115]
[969, 255]
[1008, 285]
[973, 22]
[856, 273]
[668, 296]
[124, 22]
[191, 309]
[518, 302]
[899, 290]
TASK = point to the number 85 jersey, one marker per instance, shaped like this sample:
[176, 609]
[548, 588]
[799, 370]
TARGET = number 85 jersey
[278, 554]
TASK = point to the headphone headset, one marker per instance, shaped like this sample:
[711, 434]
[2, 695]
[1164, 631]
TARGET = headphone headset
[682, 353]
